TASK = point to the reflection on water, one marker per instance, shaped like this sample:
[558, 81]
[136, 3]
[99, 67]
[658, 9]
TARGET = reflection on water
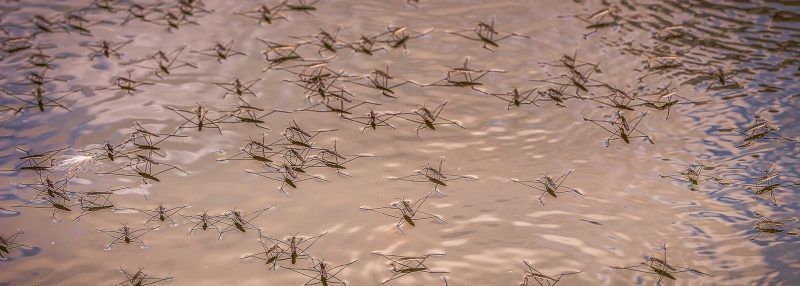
[407, 142]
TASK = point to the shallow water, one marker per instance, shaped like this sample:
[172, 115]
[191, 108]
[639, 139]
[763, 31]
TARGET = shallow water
[627, 213]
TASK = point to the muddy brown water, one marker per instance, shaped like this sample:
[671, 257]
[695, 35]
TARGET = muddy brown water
[628, 211]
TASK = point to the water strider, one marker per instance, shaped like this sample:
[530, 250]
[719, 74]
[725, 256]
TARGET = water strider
[699, 70]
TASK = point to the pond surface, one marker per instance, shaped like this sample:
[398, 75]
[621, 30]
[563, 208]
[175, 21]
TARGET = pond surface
[635, 126]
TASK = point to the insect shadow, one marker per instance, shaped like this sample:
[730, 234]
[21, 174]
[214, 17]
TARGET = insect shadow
[404, 265]
[532, 275]
[140, 279]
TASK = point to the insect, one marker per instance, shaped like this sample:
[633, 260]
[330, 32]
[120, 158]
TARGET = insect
[49, 189]
[404, 265]
[91, 202]
[465, 77]
[767, 226]
[192, 7]
[533, 275]
[429, 119]
[109, 151]
[616, 98]
[327, 106]
[372, 120]
[665, 99]
[174, 21]
[167, 62]
[292, 248]
[106, 49]
[761, 129]
[518, 98]
[203, 221]
[9, 243]
[622, 128]
[278, 54]
[139, 279]
[298, 137]
[693, 174]
[143, 167]
[380, 80]
[264, 13]
[160, 213]
[106, 5]
[433, 175]
[40, 99]
[557, 96]
[126, 235]
[659, 267]
[549, 185]
[398, 37]
[221, 51]
[126, 84]
[577, 73]
[236, 220]
[146, 141]
[271, 254]
[140, 12]
[326, 90]
[197, 118]
[259, 151]
[406, 211]
[719, 78]
[248, 114]
[331, 158]
[324, 40]
[575, 80]
[316, 78]
[486, 34]
[322, 273]
[238, 87]
[300, 6]
[768, 183]
[366, 45]
[604, 18]
[286, 173]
